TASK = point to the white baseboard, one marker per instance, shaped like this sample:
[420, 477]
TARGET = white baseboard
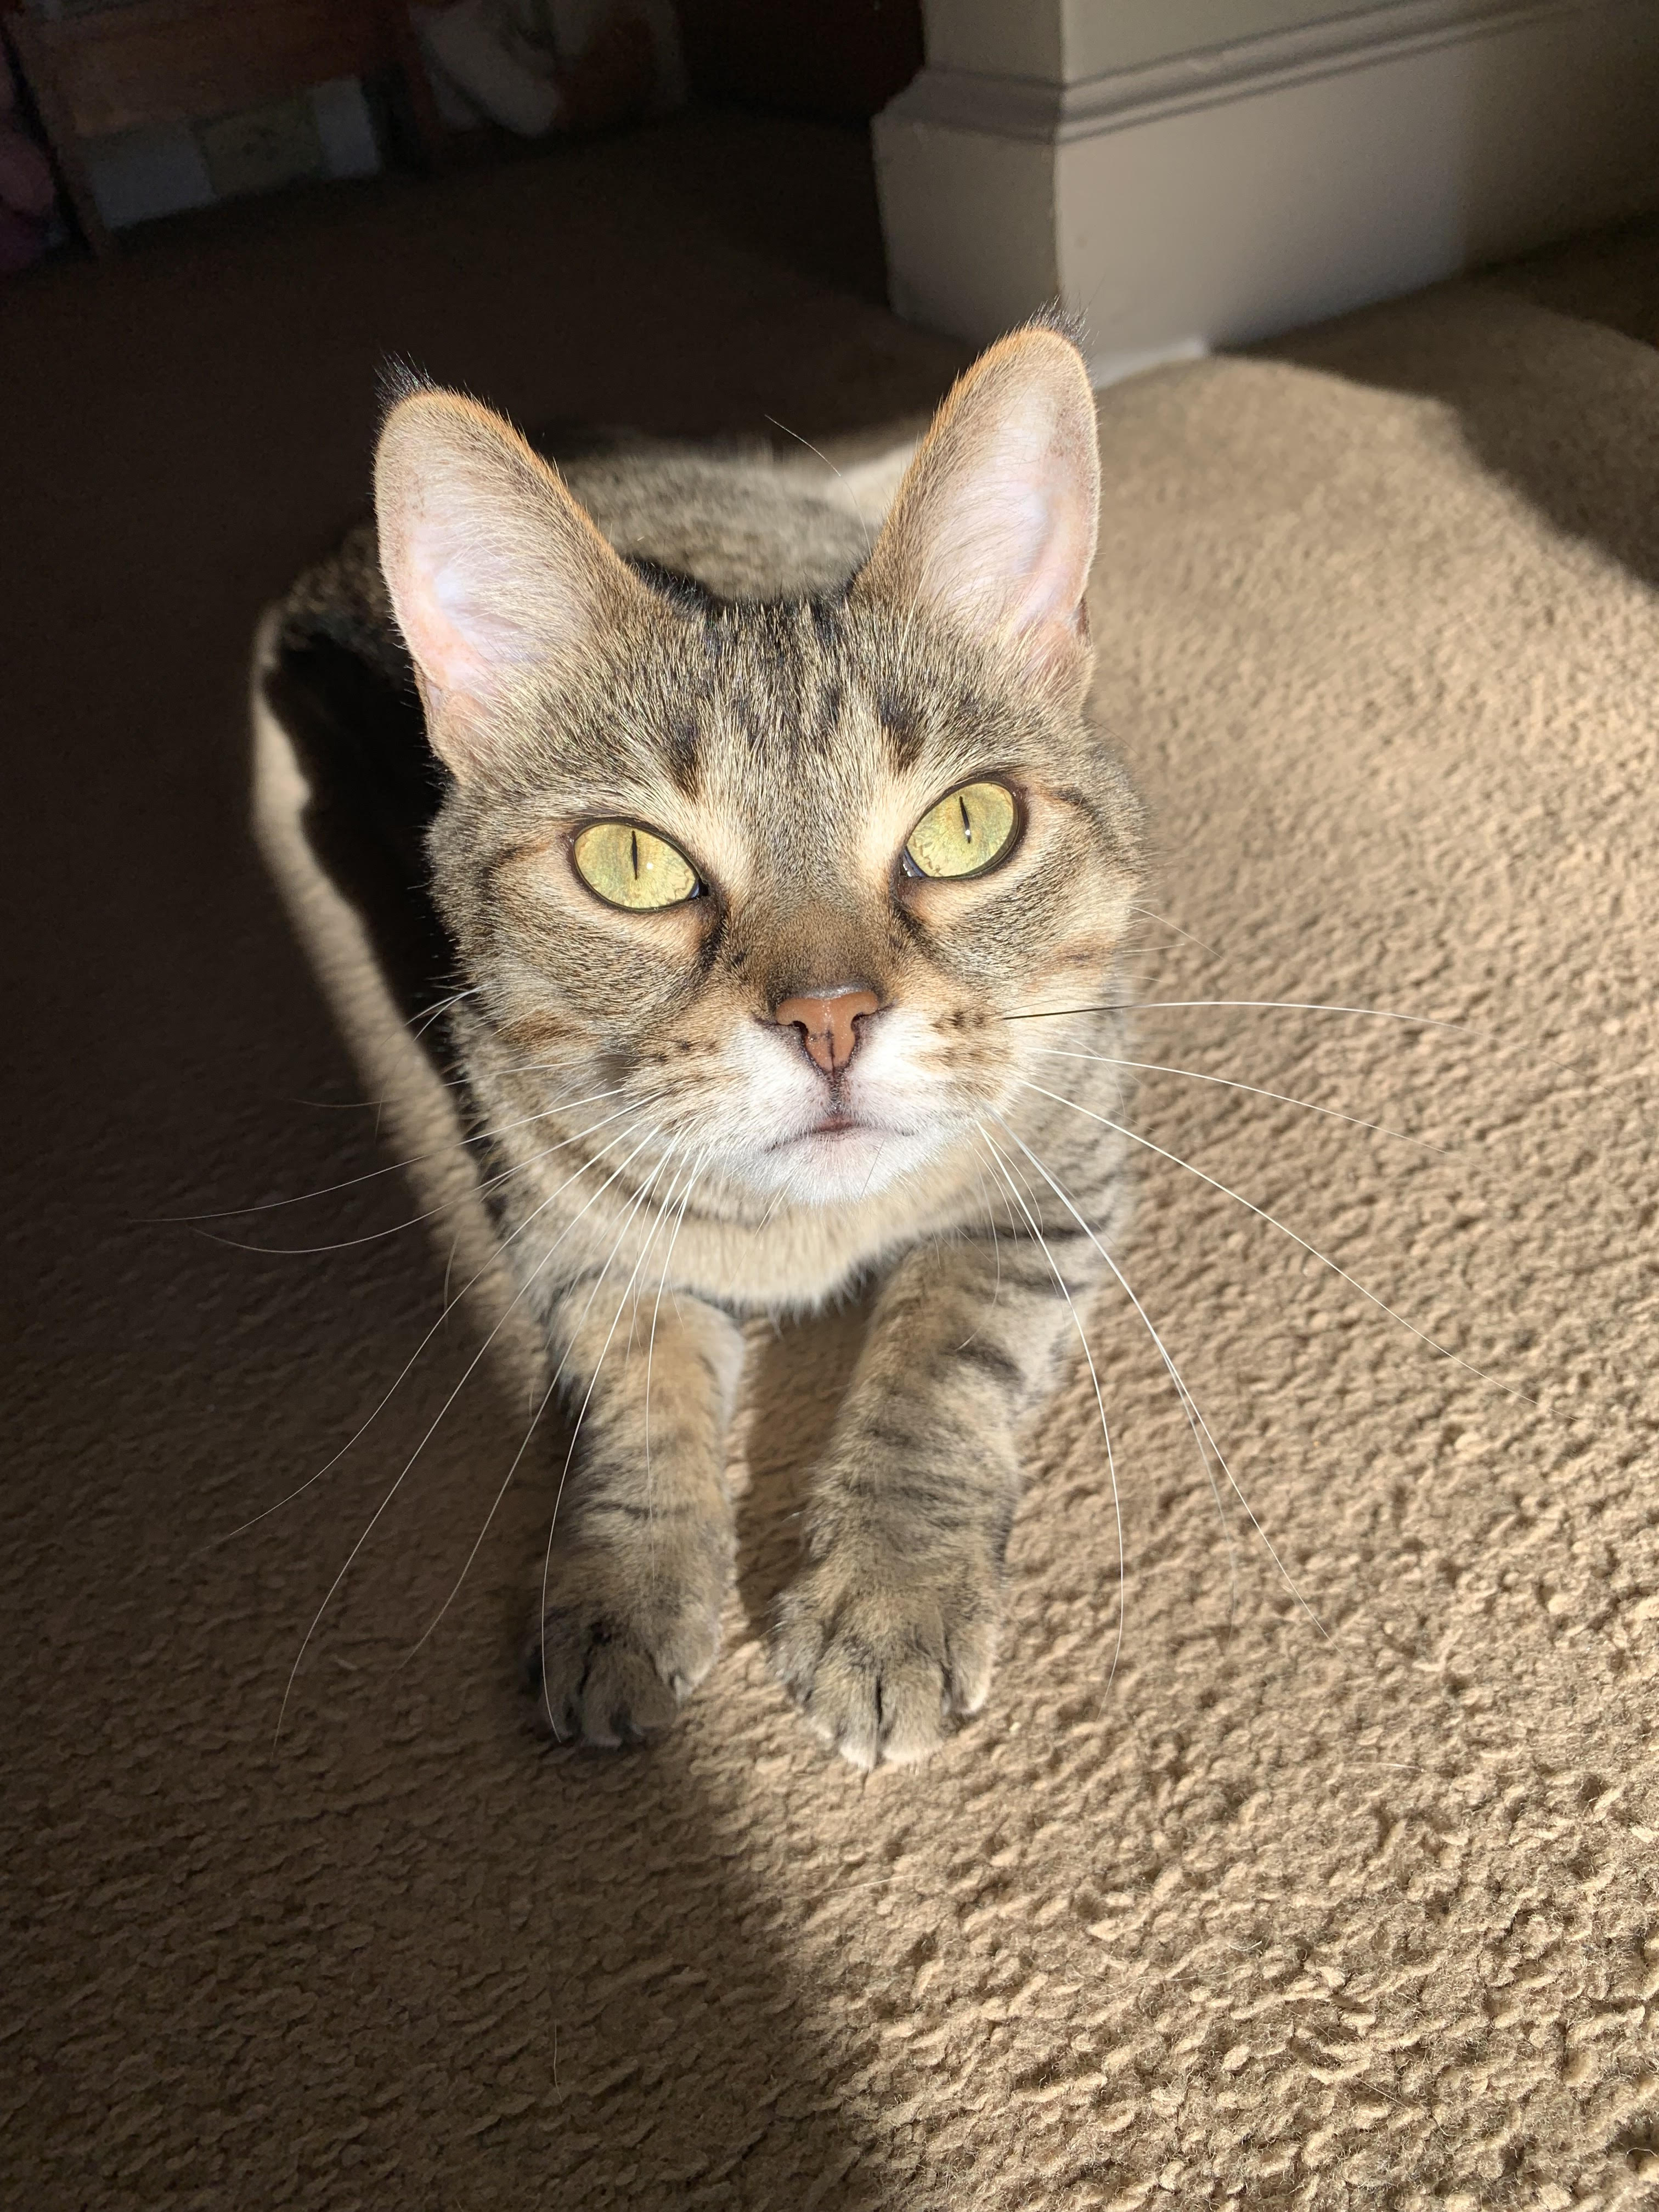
[1228, 195]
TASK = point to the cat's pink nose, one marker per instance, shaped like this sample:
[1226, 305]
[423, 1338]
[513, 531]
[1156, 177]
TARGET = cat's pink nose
[828, 1023]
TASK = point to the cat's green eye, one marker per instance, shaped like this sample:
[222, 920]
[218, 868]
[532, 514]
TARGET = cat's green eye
[963, 834]
[629, 867]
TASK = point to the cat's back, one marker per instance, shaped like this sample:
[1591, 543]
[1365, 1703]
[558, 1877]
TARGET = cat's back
[737, 521]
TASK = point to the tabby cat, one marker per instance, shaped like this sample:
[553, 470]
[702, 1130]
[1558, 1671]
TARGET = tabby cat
[759, 848]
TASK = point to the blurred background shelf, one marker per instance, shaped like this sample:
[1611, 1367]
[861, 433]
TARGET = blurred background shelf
[99, 74]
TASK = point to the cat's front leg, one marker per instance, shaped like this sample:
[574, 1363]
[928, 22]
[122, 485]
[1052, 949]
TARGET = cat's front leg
[640, 1555]
[889, 1635]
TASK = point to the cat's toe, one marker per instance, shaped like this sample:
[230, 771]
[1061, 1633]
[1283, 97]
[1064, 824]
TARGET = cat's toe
[594, 1684]
[885, 1674]
[608, 1673]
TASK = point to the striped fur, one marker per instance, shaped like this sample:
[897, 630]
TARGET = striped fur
[784, 709]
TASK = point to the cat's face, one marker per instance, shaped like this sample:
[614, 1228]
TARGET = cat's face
[772, 879]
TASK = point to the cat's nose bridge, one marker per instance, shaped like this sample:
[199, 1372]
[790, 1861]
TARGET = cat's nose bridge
[828, 1022]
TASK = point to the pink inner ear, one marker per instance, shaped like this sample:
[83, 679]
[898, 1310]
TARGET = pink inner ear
[1059, 570]
[441, 647]
[1014, 555]
[454, 599]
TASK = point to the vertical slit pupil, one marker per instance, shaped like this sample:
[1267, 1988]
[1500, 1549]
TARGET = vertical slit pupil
[967, 818]
[633, 844]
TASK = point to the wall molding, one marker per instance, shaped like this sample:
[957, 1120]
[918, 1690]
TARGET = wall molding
[1121, 100]
[1234, 192]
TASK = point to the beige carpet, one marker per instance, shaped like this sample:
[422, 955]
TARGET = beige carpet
[1348, 1914]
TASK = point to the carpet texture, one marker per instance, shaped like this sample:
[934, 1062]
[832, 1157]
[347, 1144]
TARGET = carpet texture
[1338, 1888]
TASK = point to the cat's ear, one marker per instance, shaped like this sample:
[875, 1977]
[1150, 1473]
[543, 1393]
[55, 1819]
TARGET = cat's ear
[995, 523]
[492, 567]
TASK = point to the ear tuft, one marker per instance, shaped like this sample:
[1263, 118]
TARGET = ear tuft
[399, 379]
[995, 522]
[493, 569]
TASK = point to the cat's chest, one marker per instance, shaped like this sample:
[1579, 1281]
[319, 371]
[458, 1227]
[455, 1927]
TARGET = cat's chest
[799, 1260]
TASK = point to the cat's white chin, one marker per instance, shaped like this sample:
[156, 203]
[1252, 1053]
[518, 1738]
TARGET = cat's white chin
[836, 1167]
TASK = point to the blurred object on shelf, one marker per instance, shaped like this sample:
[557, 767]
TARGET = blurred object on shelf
[99, 75]
[534, 66]
[263, 148]
[29, 194]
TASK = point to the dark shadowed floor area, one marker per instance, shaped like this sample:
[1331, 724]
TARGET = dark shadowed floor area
[1350, 1916]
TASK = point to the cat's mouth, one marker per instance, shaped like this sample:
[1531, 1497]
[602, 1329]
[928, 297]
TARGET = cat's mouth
[837, 1123]
[839, 1157]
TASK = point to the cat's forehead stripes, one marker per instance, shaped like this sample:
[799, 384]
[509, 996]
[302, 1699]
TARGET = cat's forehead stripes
[681, 752]
[901, 727]
[776, 676]
[815, 685]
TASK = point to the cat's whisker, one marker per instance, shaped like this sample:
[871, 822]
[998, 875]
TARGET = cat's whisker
[1260, 1006]
[858, 512]
[370, 1236]
[1164, 922]
[662, 1281]
[582, 1058]
[473, 1365]
[1292, 1007]
[1100, 1401]
[875, 1162]
[1196, 1075]
[417, 1026]
[1203, 1439]
[423, 1023]
[463, 1082]
[1189, 1403]
[996, 1255]
[377, 1235]
[517, 1457]
[665, 1206]
[340, 1105]
[1444, 1350]
[405, 1370]
[773, 1209]
[397, 1167]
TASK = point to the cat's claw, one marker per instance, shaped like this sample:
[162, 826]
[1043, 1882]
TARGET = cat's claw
[607, 1671]
[885, 1672]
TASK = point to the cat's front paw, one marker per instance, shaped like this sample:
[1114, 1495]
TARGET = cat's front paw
[884, 1667]
[614, 1655]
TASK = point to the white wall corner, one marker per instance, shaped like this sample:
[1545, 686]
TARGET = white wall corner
[1221, 196]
